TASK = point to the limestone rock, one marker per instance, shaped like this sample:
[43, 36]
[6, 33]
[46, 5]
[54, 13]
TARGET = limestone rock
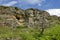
[36, 17]
[13, 16]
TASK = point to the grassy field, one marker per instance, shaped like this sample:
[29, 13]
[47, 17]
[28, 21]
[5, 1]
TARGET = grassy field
[23, 33]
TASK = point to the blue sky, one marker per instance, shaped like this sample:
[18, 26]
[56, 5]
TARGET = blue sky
[40, 4]
[51, 6]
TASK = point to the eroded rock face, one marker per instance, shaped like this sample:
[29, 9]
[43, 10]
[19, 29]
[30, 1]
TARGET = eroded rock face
[8, 20]
[37, 17]
[13, 16]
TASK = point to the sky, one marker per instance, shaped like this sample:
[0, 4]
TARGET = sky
[51, 6]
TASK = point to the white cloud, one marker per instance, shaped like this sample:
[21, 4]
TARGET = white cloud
[34, 1]
[22, 2]
[54, 11]
[10, 3]
[39, 4]
[31, 2]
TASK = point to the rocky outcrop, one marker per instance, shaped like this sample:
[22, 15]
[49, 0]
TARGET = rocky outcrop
[13, 17]
[36, 17]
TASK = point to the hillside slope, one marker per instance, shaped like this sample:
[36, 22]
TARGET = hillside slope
[19, 24]
[13, 17]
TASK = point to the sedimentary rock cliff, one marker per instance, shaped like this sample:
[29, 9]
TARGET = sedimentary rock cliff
[13, 17]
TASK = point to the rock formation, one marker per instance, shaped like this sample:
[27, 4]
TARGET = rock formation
[13, 17]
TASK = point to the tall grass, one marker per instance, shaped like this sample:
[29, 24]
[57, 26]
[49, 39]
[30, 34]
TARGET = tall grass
[25, 33]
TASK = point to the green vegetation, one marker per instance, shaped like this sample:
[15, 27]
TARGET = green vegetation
[33, 24]
[25, 33]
